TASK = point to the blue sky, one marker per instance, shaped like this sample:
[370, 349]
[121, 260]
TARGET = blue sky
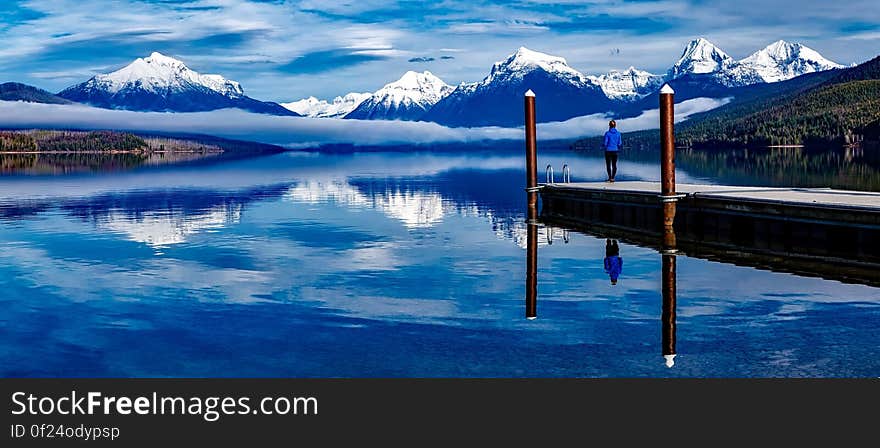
[286, 50]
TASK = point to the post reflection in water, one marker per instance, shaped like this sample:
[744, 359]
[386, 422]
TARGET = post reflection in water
[668, 278]
[532, 264]
[668, 284]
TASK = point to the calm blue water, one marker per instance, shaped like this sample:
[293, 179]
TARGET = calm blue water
[391, 264]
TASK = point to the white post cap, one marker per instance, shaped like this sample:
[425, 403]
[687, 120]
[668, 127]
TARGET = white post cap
[666, 89]
[530, 93]
[670, 360]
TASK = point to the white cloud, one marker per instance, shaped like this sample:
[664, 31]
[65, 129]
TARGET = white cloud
[301, 132]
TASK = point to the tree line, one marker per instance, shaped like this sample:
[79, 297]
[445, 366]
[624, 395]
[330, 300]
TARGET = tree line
[56, 141]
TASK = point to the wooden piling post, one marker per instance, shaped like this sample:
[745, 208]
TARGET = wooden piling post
[667, 141]
[532, 212]
[667, 154]
[531, 150]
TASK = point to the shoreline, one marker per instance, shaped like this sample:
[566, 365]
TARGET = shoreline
[111, 152]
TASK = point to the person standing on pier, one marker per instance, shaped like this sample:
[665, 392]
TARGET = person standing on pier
[612, 144]
[613, 262]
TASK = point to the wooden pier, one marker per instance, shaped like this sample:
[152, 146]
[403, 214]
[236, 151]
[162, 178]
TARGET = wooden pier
[814, 225]
[813, 231]
[825, 205]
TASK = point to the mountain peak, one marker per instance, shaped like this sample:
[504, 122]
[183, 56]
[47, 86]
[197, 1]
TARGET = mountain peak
[629, 84]
[408, 98]
[779, 51]
[779, 61]
[525, 61]
[526, 55]
[156, 57]
[526, 58]
[340, 106]
[699, 57]
[163, 73]
[782, 44]
[421, 82]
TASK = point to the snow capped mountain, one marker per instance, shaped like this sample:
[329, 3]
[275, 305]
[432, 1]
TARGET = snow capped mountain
[700, 57]
[778, 61]
[629, 84]
[339, 107]
[405, 99]
[497, 100]
[161, 73]
[162, 83]
[525, 61]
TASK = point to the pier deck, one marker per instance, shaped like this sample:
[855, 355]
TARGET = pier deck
[791, 222]
[859, 208]
[814, 197]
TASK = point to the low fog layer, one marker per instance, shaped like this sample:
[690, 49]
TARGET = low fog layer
[296, 132]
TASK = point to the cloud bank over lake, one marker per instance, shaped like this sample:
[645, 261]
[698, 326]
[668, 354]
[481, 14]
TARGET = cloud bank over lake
[300, 132]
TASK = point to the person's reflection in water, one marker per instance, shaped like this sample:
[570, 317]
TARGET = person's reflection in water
[613, 262]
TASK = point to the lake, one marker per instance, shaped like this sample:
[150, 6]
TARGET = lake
[396, 264]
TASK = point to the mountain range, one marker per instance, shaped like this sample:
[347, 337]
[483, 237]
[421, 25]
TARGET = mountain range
[162, 83]
[703, 69]
[337, 108]
[823, 108]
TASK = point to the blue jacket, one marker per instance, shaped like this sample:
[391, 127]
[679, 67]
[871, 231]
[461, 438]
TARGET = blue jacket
[612, 140]
[613, 266]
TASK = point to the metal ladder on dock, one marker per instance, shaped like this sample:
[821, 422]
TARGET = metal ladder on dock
[566, 174]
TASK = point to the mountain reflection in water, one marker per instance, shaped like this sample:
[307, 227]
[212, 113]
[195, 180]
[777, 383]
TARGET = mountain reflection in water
[381, 264]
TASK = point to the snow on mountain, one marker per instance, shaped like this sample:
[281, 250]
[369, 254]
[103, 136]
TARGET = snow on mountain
[162, 83]
[339, 107]
[525, 61]
[405, 99]
[778, 61]
[497, 100]
[159, 72]
[700, 57]
[629, 84]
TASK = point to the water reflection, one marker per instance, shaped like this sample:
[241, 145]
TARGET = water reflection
[309, 266]
[668, 286]
[613, 262]
[667, 316]
[84, 162]
[613, 267]
[841, 168]
[163, 218]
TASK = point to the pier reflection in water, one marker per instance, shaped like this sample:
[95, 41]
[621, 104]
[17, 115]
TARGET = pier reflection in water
[613, 264]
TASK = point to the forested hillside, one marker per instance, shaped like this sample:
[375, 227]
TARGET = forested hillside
[69, 141]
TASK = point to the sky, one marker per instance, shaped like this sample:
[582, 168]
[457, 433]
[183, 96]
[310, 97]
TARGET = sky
[287, 50]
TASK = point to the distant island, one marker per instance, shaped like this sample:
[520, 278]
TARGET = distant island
[62, 151]
[110, 142]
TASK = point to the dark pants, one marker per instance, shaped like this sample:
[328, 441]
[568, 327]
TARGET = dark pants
[611, 163]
